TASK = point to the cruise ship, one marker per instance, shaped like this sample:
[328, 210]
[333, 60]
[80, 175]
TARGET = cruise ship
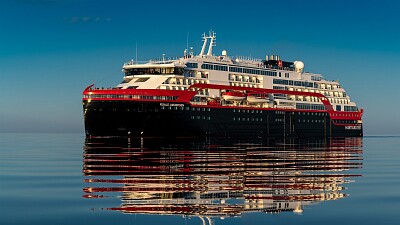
[220, 96]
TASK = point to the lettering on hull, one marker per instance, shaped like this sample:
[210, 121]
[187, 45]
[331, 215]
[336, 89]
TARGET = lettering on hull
[352, 127]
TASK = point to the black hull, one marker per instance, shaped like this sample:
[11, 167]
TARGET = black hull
[155, 119]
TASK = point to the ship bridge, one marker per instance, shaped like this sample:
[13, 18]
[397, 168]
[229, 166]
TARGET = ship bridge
[166, 67]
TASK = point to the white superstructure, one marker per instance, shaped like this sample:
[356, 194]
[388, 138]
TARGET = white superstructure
[271, 73]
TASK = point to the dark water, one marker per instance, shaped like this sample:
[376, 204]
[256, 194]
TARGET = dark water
[65, 179]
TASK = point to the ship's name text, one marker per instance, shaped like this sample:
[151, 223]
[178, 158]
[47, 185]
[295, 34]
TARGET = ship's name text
[352, 127]
[172, 104]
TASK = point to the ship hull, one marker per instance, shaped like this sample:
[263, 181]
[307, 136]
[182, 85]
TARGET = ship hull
[161, 119]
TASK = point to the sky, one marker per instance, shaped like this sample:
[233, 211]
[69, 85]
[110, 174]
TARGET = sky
[50, 50]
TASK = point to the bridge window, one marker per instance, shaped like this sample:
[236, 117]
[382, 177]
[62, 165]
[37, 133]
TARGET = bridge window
[162, 70]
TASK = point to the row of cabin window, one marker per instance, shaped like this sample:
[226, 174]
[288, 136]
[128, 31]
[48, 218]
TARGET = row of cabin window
[311, 121]
[339, 101]
[244, 85]
[195, 73]
[311, 99]
[351, 108]
[247, 111]
[199, 92]
[184, 81]
[248, 79]
[200, 117]
[247, 119]
[280, 112]
[192, 65]
[142, 71]
[306, 84]
[346, 115]
[238, 69]
[326, 93]
[301, 113]
[310, 106]
[252, 71]
[145, 97]
[316, 78]
[185, 108]
[312, 114]
[214, 67]
[345, 121]
[294, 83]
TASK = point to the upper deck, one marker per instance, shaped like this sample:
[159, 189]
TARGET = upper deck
[206, 68]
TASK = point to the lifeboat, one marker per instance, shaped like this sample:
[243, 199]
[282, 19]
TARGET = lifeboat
[233, 96]
[260, 98]
[257, 99]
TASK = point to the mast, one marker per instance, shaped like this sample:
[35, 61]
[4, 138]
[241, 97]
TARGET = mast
[212, 36]
[212, 42]
[204, 44]
[136, 54]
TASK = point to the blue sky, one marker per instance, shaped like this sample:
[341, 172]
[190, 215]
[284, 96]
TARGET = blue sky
[50, 50]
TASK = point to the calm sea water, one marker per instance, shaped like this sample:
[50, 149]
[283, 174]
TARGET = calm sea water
[67, 179]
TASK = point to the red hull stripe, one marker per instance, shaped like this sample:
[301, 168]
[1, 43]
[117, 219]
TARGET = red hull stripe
[184, 96]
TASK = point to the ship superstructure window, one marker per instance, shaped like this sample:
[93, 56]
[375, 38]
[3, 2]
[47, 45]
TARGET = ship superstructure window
[207, 66]
[268, 73]
[161, 70]
[295, 83]
[310, 106]
[221, 68]
[280, 81]
[143, 79]
[214, 67]
[192, 65]
[127, 96]
[278, 88]
[328, 86]
[350, 108]
[252, 71]
[241, 78]
[316, 78]
[195, 73]
[236, 69]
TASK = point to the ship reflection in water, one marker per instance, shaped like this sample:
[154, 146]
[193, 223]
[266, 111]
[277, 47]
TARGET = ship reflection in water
[213, 179]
